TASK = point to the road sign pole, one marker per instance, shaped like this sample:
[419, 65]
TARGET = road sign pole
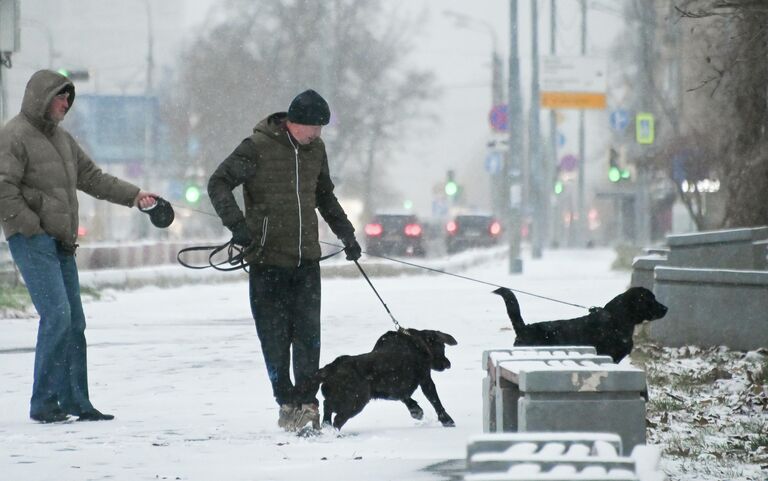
[512, 167]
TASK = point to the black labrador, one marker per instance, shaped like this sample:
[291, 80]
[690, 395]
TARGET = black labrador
[400, 362]
[609, 329]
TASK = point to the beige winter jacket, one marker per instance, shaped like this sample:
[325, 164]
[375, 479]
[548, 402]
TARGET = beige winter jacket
[42, 167]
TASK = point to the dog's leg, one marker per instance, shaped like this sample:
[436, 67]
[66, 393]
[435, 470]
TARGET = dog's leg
[327, 412]
[430, 391]
[339, 420]
[414, 408]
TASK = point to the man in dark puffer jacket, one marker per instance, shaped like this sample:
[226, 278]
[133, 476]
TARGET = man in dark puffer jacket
[283, 169]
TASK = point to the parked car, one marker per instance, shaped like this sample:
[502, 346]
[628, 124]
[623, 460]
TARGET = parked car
[468, 231]
[395, 234]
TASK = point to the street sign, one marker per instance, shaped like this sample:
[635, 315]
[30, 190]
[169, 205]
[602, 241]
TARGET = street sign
[569, 162]
[619, 119]
[493, 161]
[499, 118]
[573, 82]
[560, 139]
[644, 132]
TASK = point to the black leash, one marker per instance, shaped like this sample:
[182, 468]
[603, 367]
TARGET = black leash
[439, 271]
[235, 256]
[397, 324]
[238, 262]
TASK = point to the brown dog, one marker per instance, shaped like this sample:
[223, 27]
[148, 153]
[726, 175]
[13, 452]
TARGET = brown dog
[609, 329]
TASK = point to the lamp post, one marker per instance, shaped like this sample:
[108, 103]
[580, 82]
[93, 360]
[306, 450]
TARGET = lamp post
[148, 117]
[471, 23]
[461, 20]
[46, 30]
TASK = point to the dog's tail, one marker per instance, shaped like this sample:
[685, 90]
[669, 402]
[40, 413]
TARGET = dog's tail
[308, 387]
[513, 308]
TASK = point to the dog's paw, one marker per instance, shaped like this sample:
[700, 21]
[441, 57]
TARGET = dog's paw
[447, 421]
[417, 413]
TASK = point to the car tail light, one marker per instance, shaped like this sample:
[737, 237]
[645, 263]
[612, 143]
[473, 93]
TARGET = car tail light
[495, 228]
[452, 227]
[413, 230]
[373, 230]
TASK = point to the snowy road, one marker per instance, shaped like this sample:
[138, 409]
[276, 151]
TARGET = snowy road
[182, 371]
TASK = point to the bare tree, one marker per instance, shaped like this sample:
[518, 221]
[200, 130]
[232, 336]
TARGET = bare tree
[718, 127]
[262, 53]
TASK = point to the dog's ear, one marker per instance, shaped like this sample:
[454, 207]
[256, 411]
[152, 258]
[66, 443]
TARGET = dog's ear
[444, 338]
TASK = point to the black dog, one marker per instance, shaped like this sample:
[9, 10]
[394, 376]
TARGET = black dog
[609, 329]
[400, 362]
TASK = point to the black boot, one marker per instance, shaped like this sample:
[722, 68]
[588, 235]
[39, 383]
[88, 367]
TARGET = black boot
[94, 415]
[52, 416]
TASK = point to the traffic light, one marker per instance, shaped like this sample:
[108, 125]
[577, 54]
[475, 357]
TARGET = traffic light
[75, 75]
[558, 187]
[615, 172]
[192, 194]
[451, 187]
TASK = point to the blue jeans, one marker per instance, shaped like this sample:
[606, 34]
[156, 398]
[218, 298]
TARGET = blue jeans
[61, 378]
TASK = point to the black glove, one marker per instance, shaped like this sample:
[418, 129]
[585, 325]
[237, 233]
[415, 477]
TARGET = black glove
[240, 235]
[352, 249]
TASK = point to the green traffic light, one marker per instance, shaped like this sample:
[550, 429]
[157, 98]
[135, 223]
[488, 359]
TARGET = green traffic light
[625, 174]
[614, 175]
[192, 194]
[451, 188]
[63, 72]
[558, 187]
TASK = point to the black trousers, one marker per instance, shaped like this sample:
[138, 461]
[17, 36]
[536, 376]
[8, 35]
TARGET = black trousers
[285, 303]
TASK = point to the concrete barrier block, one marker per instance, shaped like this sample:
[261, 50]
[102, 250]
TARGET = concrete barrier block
[642, 270]
[720, 249]
[559, 456]
[712, 307]
[571, 395]
[499, 392]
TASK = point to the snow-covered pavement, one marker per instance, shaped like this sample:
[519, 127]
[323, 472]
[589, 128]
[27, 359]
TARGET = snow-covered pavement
[182, 371]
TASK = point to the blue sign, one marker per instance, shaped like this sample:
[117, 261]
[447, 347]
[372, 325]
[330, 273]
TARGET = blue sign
[560, 139]
[493, 162]
[499, 118]
[619, 119]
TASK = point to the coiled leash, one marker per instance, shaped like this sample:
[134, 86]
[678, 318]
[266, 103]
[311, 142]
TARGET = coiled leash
[236, 258]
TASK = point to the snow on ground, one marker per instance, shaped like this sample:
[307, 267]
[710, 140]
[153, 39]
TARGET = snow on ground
[182, 370]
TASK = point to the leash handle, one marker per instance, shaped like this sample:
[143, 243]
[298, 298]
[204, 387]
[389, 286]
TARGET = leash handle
[397, 324]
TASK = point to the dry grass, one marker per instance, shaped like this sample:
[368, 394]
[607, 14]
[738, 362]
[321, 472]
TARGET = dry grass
[708, 410]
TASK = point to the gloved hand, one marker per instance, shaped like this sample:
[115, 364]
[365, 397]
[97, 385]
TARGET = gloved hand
[352, 249]
[240, 234]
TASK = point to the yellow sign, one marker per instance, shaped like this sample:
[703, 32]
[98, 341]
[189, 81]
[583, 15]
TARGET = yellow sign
[644, 131]
[573, 100]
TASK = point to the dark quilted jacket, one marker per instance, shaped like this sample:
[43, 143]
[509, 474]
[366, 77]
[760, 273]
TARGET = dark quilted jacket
[283, 183]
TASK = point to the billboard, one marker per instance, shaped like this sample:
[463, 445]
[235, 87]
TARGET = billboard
[573, 82]
[113, 128]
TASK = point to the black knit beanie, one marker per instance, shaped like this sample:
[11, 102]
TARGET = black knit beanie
[309, 108]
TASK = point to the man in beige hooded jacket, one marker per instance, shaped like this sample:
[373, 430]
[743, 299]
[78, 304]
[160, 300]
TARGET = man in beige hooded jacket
[41, 168]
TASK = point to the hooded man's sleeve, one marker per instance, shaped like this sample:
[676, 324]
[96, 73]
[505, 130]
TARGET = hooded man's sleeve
[94, 182]
[15, 214]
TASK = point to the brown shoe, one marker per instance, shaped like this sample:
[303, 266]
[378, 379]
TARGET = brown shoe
[288, 416]
[308, 413]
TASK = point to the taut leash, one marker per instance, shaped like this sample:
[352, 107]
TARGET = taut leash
[439, 271]
[240, 263]
[397, 324]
